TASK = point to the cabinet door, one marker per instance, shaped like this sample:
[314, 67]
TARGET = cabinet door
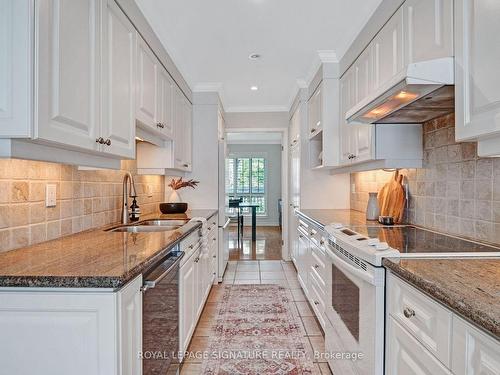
[477, 58]
[364, 142]
[179, 131]
[405, 355]
[347, 139]
[147, 78]
[473, 351]
[165, 104]
[314, 111]
[388, 51]
[428, 32]
[130, 323]
[118, 80]
[67, 72]
[188, 134]
[363, 71]
[16, 29]
[302, 258]
[186, 302]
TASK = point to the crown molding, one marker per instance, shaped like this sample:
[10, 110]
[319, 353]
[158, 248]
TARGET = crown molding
[264, 108]
[208, 87]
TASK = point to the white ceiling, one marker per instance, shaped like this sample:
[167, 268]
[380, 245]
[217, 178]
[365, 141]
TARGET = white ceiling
[210, 42]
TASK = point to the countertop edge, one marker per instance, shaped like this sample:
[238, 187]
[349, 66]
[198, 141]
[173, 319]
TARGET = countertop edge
[97, 282]
[458, 306]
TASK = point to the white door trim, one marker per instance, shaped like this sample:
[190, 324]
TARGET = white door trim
[285, 254]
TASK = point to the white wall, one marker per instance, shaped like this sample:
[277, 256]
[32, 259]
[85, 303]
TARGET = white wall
[264, 120]
[272, 154]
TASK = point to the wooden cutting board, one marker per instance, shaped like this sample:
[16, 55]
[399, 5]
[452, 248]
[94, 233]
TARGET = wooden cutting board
[391, 198]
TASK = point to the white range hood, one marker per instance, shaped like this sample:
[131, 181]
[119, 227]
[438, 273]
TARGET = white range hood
[421, 92]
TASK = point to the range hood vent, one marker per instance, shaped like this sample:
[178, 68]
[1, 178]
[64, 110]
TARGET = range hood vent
[421, 92]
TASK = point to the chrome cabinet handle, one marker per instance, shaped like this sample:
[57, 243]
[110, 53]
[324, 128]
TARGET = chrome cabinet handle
[185, 165]
[322, 242]
[191, 246]
[209, 228]
[316, 266]
[316, 303]
[197, 260]
[160, 125]
[408, 313]
[100, 140]
[313, 130]
[214, 239]
[107, 142]
[301, 236]
[214, 256]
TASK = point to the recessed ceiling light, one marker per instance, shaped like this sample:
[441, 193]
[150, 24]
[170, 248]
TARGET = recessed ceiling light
[254, 56]
[254, 88]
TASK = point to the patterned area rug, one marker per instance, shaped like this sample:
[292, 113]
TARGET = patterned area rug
[257, 333]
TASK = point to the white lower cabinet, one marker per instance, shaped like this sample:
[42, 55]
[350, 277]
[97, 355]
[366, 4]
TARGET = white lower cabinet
[196, 276]
[425, 337]
[406, 356]
[474, 353]
[80, 332]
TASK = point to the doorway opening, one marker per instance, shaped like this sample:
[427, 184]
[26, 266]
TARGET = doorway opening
[253, 184]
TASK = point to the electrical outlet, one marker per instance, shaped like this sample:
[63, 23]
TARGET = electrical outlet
[50, 195]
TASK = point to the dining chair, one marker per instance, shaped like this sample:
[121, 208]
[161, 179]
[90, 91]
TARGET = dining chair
[234, 203]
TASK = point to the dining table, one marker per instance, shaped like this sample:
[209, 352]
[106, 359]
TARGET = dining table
[253, 207]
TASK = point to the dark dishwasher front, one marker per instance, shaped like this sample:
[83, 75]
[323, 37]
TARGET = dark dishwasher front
[160, 320]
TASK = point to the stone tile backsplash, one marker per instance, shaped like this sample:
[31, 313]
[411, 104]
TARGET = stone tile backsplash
[86, 199]
[456, 192]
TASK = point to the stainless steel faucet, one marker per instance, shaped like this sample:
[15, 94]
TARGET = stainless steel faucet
[127, 179]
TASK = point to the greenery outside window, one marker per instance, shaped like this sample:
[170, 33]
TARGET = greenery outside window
[246, 178]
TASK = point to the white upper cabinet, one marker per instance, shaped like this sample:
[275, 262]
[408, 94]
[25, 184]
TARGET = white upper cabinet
[347, 139]
[387, 52]
[314, 110]
[16, 38]
[165, 104]
[67, 72]
[477, 58]
[428, 29]
[182, 132]
[147, 80]
[118, 80]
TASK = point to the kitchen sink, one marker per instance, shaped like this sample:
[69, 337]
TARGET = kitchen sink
[150, 226]
[162, 223]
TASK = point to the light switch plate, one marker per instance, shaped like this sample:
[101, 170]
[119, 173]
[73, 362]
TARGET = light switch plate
[50, 195]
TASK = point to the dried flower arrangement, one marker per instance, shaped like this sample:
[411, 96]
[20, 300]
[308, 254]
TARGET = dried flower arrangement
[179, 184]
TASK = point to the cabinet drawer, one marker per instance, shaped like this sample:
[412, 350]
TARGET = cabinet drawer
[317, 300]
[405, 355]
[318, 264]
[429, 322]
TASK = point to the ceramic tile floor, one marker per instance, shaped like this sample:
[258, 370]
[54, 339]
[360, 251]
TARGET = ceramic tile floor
[259, 272]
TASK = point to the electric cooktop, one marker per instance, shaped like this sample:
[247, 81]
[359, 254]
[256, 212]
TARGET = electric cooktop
[409, 239]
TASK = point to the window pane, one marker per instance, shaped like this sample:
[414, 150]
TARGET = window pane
[258, 175]
[243, 176]
[261, 201]
[230, 176]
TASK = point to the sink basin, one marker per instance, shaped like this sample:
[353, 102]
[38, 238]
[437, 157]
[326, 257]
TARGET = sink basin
[150, 226]
[162, 223]
[144, 228]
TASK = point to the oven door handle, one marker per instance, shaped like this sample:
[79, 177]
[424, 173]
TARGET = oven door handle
[150, 284]
[350, 268]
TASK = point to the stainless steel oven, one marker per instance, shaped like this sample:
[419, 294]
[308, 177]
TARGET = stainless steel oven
[355, 311]
[160, 317]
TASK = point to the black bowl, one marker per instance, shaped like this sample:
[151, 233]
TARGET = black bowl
[173, 208]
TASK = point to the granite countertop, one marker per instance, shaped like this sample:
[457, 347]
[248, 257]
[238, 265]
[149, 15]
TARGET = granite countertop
[322, 217]
[94, 258]
[470, 287]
